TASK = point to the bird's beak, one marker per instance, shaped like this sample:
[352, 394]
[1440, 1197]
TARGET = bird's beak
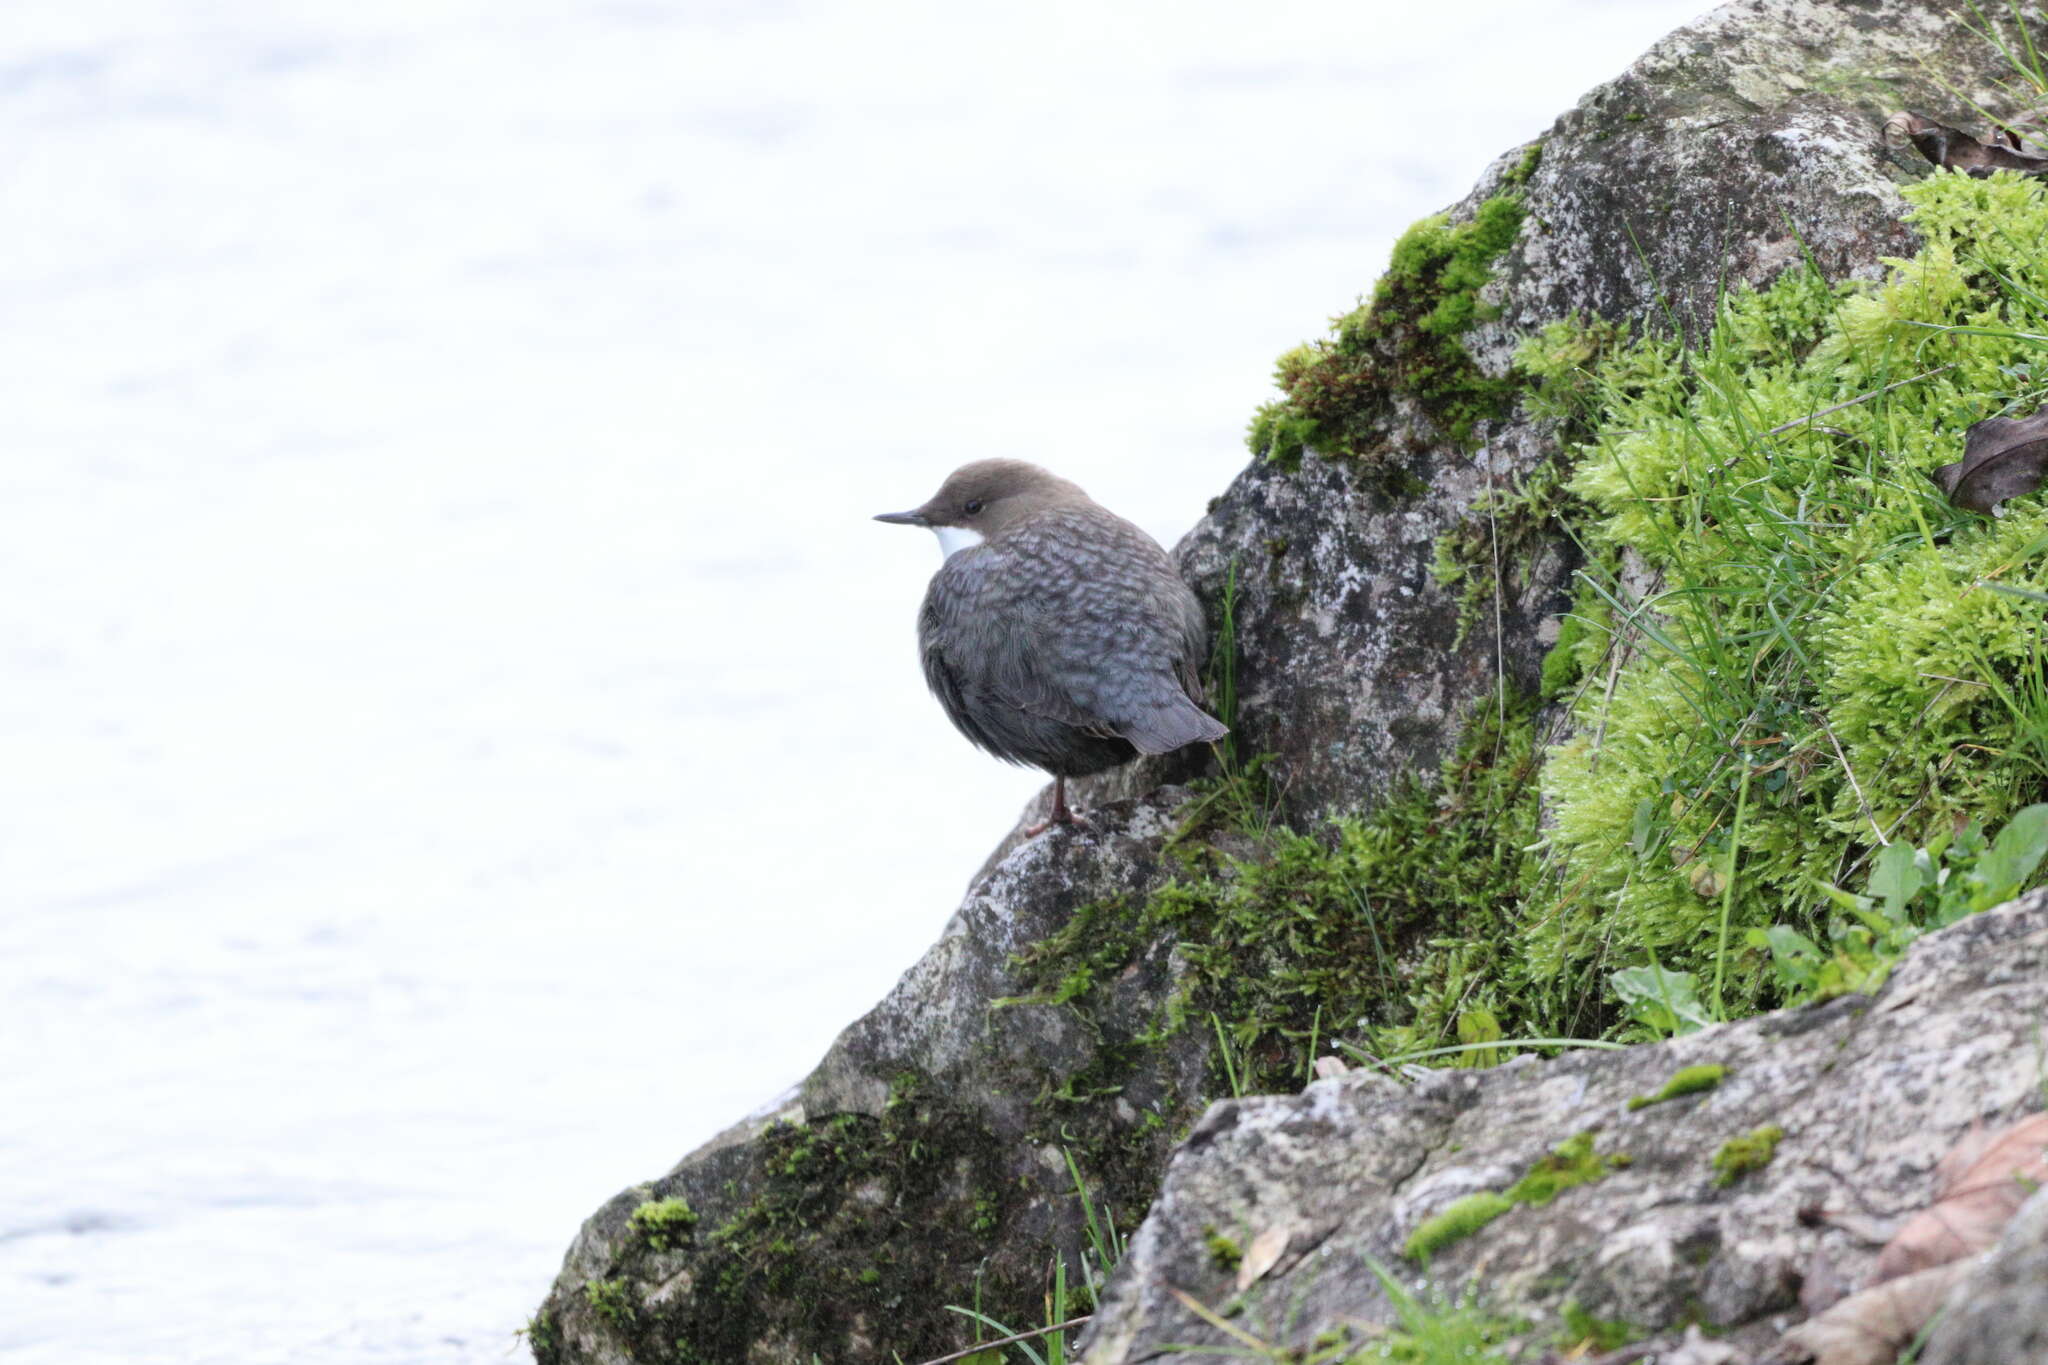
[904, 518]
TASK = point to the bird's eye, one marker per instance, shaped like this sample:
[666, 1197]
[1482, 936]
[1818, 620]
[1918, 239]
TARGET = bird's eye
[973, 506]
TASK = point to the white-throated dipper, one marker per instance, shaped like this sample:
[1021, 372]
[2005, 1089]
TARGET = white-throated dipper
[1056, 633]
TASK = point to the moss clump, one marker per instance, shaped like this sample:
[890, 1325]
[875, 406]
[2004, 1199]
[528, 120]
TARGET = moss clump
[814, 1232]
[1572, 1162]
[1224, 1252]
[1337, 392]
[664, 1223]
[612, 1300]
[1460, 1219]
[1687, 1080]
[1398, 917]
[1752, 1151]
[1808, 636]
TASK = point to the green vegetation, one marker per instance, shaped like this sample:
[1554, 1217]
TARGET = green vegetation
[1310, 929]
[1433, 1327]
[1819, 664]
[611, 1300]
[1689, 1080]
[664, 1223]
[1457, 1220]
[1750, 1152]
[1224, 1252]
[1338, 392]
[1582, 1329]
[1910, 891]
[1572, 1162]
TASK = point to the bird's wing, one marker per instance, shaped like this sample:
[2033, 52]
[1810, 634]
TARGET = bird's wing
[1071, 630]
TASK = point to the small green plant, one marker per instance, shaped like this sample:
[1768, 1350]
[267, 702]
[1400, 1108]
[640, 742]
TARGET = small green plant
[1910, 891]
[610, 1300]
[664, 1223]
[1752, 1151]
[1224, 1252]
[1688, 1080]
[1436, 1327]
[1667, 1003]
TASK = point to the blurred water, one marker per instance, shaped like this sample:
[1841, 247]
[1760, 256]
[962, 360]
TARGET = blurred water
[461, 736]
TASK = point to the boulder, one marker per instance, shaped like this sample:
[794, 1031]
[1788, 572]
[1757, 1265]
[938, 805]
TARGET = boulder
[1709, 1207]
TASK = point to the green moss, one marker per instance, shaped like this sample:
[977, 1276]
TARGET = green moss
[1224, 1252]
[1819, 649]
[1687, 1080]
[1399, 917]
[1532, 157]
[1572, 1162]
[1459, 1219]
[1752, 1151]
[612, 1300]
[1338, 392]
[664, 1223]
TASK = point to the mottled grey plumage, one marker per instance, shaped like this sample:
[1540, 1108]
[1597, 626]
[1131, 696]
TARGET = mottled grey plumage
[1056, 633]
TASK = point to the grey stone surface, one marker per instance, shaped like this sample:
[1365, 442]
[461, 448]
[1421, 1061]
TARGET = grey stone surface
[1870, 1093]
[923, 1157]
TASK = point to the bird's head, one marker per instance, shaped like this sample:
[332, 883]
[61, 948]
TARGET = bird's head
[979, 501]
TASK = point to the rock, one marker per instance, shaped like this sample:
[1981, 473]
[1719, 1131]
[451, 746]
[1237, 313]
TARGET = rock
[1868, 1093]
[1999, 1314]
[925, 1163]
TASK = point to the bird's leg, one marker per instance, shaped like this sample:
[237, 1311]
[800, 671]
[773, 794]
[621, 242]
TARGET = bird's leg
[1061, 814]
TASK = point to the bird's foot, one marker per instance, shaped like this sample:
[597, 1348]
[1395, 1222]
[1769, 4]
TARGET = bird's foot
[1063, 817]
[1061, 814]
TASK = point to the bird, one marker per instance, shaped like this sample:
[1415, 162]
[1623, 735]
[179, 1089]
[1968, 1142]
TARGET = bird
[1055, 634]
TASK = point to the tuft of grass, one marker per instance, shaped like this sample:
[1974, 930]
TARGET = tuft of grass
[1435, 1327]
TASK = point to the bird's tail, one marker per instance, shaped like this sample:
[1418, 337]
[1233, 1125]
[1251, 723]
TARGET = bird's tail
[1172, 724]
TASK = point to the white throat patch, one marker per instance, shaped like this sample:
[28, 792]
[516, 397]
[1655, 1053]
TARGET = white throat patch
[954, 539]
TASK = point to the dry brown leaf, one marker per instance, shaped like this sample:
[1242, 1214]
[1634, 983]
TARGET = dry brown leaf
[1957, 150]
[2003, 457]
[1983, 1182]
[1262, 1255]
[1872, 1327]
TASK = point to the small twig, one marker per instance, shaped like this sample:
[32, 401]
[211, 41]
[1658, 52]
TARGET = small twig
[1859, 398]
[1854, 785]
[981, 1346]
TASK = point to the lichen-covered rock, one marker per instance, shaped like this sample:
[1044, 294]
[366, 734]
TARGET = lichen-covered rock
[926, 1162]
[1865, 1093]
